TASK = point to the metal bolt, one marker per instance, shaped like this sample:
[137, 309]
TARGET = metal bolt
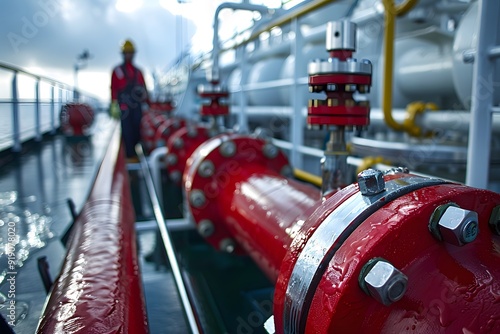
[192, 132]
[495, 220]
[171, 159]
[468, 56]
[371, 182]
[175, 176]
[383, 281]
[178, 143]
[458, 226]
[227, 245]
[287, 171]
[206, 168]
[197, 198]
[227, 149]
[206, 228]
[270, 151]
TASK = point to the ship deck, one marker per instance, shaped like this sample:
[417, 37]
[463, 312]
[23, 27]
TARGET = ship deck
[34, 190]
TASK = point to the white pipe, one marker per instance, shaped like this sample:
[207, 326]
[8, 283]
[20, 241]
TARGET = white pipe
[215, 50]
[478, 157]
[154, 160]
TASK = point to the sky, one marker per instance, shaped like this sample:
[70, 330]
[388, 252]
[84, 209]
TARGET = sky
[46, 36]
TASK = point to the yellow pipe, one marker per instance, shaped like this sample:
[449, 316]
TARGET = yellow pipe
[391, 11]
[307, 177]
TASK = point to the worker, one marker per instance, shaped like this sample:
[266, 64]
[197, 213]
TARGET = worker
[128, 94]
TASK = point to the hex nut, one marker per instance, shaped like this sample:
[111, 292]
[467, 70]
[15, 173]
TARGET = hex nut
[178, 143]
[197, 198]
[227, 149]
[385, 283]
[206, 168]
[495, 220]
[227, 245]
[192, 132]
[170, 159]
[371, 182]
[206, 228]
[270, 151]
[175, 176]
[458, 226]
[287, 171]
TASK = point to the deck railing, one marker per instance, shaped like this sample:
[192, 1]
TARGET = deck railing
[30, 117]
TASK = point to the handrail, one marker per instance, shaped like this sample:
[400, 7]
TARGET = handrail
[15, 101]
[59, 84]
[168, 244]
[17, 69]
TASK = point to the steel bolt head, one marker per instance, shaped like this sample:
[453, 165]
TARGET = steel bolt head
[178, 143]
[197, 198]
[287, 171]
[206, 168]
[206, 228]
[227, 149]
[192, 132]
[371, 182]
[270, 151]
[458, 226]
[385, 283]
[495, 220]
[227, 245]
[171, 159]
[175, 176]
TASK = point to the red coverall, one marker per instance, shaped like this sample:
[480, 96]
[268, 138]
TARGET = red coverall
[129, 89]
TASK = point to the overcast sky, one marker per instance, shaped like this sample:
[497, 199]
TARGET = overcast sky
[45, 36]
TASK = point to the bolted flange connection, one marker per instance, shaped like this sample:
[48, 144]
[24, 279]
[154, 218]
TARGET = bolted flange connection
[270, 151]
[206, 228]
[227, 149]
[206, 168]
[227, 245]
[382, 281]
[371, 182]
[197, 198]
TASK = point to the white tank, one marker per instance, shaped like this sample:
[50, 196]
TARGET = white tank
[311, 52]
[264, 71]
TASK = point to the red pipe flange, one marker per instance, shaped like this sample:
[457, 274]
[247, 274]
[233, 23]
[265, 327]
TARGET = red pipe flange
[241, 201]
[150, 123]
[165, 107]
[368, 263]
[166, 129]
[181, 145]
[215, 100]
[76, 119]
